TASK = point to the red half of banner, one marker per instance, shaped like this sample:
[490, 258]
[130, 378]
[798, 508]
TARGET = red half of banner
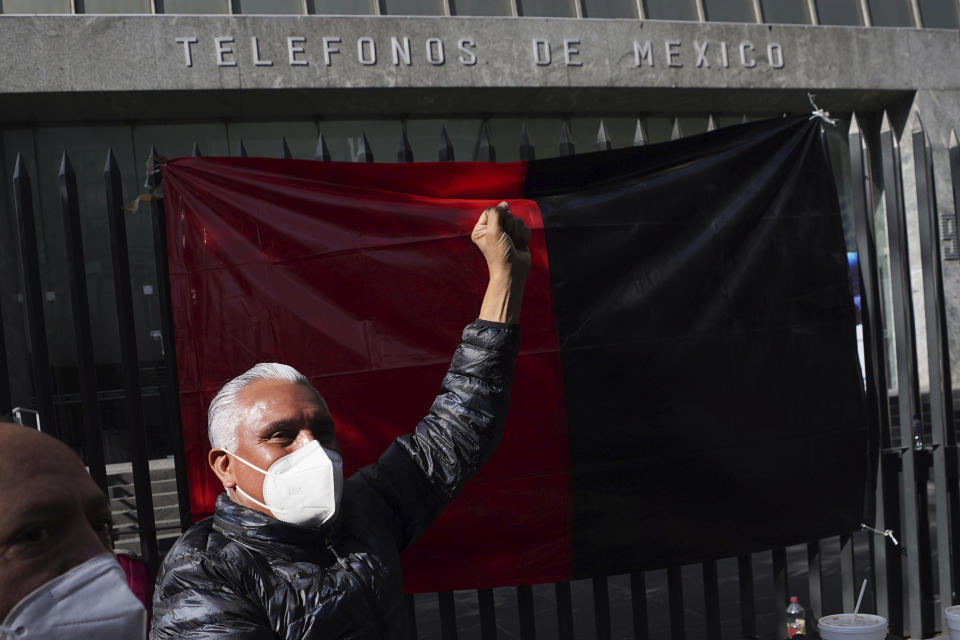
[362, 277]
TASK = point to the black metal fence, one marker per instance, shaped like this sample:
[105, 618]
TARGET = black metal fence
[917, 488]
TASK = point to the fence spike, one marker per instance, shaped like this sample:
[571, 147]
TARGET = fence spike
[111, 166]
[285, 149]
[527, 150]
[146, 522]
[917, 123]
[196, 150]
[711, 123]
[639, 135]
[603, 141]
[404, 151]
[322, 153]
[19, 171]
[854, 125]
[565, 147]
[171, 398]
[33, 295]
[241, 149]
[676, 133]
[66, 169]
[82, 332]
[445, 152]
[365, 153]
[887, 127]
[6, 404]
[485, 151]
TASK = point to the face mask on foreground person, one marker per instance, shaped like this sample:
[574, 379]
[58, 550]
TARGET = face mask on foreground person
[58, 577]
[91, 600]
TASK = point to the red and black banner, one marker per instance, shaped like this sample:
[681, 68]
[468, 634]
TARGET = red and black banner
[688, 385]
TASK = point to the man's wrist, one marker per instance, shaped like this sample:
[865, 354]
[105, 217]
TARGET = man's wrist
[501, 303]
[507, 275]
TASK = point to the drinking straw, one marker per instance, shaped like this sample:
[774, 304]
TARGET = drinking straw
[863, 588]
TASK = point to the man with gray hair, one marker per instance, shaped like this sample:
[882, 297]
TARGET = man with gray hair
[294, 550]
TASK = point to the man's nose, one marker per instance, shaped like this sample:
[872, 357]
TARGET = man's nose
[304, 436]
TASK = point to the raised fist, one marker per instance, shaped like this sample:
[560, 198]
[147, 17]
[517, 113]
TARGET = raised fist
[503, 239]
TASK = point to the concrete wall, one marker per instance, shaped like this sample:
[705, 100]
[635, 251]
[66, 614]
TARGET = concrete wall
[149, 66]
[77, 69]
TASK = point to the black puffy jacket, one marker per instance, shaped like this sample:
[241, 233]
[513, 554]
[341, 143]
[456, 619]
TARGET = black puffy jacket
[243, 574]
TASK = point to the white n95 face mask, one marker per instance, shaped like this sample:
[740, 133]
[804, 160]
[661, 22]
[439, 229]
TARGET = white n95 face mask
[302, 487]
[92, 600]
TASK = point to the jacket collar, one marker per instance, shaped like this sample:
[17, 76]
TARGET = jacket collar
[254, 529]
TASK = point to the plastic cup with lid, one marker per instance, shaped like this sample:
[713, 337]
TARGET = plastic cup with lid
[951, 616]
[847, 626]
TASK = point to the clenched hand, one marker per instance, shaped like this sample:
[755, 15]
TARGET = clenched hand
[504, 241]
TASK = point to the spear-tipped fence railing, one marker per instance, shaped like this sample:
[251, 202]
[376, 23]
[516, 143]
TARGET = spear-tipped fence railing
[33, 296]
[83, 333]
[905, 587]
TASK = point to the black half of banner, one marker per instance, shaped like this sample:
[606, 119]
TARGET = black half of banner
[708, 334]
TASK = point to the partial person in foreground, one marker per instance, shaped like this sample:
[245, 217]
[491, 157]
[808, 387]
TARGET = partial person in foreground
[293, 550]
[58, 576]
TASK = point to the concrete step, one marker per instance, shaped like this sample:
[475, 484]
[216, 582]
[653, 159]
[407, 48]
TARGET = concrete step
[128, 488]
[160, 495]
[128, 518]
[123, 505]
[129, 503]
[164, 528]
[132, 539]
[122, 472]
[167, 533]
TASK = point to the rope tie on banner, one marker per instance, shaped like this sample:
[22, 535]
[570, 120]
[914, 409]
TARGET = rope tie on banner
[154, 166]
[820, 113]
[888, 533]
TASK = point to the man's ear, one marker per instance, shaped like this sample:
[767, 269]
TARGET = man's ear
[220, 463]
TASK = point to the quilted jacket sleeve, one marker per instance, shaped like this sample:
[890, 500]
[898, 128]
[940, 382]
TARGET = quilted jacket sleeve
[422, 471]
[201, 596]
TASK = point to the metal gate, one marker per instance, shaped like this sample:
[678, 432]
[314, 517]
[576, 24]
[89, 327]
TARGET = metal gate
[912, 571]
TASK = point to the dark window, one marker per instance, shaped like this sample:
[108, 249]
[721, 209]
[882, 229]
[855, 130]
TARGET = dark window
[838, 12]
[412, 7]
[785, 11]
[890, 13]
[271, 6]
[729, 11]
[546, 8]
[116, 6]
[480, 8]
[609, 9]
[670, 9]
[940, 14]
[341, 7]
[35, 6]
[193, 6]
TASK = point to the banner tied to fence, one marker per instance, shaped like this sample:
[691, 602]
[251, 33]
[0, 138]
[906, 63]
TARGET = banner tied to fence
[688, 385]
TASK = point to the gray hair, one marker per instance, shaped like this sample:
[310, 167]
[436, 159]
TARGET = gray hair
[222, 417]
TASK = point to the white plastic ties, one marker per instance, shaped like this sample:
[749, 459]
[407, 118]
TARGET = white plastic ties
[820, 113]
[887, 533]
[154, 166]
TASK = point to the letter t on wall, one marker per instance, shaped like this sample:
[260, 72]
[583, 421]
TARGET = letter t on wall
[187, 54]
